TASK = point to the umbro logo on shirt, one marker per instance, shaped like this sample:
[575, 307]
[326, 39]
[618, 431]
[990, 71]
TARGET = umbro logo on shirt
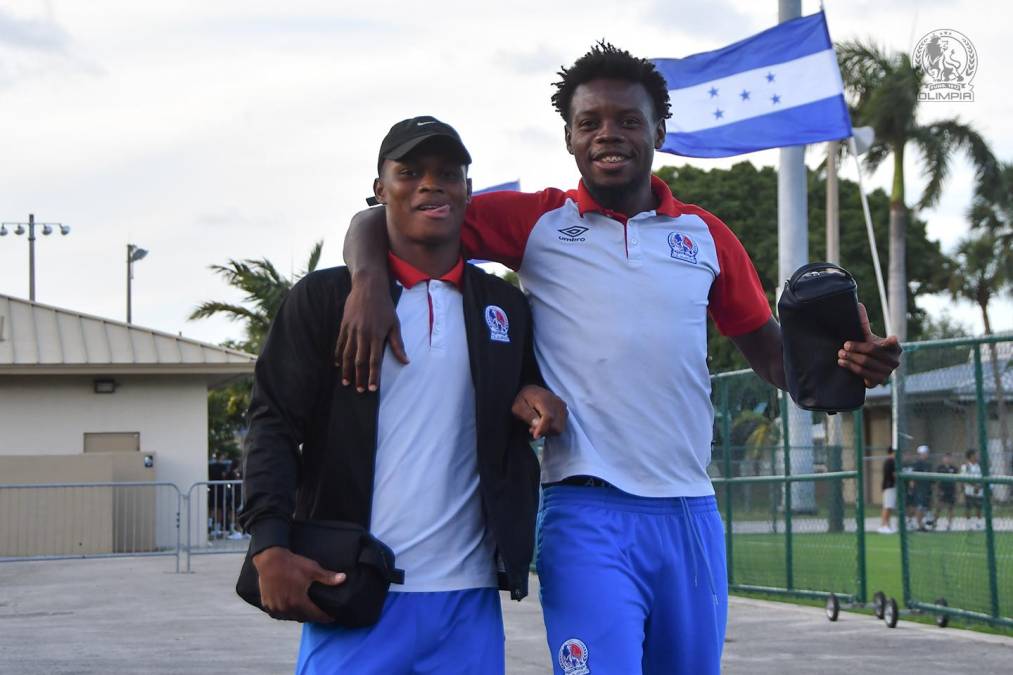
[573, 233]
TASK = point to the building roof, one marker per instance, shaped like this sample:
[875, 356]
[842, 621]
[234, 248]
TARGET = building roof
[37, 339]
[954, 382]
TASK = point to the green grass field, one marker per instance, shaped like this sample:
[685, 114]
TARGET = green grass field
[949, 565]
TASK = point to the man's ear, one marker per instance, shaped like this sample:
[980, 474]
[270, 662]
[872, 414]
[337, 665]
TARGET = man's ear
[469, 192]
[378, 191]
[566, 137]
[659, 135]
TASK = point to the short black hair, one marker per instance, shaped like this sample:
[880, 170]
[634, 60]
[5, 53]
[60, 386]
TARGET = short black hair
[970, 451]
[606, 61]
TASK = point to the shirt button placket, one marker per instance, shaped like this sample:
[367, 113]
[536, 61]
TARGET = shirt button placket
[634, 242]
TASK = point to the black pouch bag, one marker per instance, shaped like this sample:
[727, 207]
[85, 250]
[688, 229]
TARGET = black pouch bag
[818, 311]
[338, 546]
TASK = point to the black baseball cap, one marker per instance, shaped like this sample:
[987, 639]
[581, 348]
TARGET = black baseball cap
[408, 134]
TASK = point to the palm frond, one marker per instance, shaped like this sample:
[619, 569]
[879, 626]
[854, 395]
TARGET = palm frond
[233, 312]
[938, 141]
[314, 259]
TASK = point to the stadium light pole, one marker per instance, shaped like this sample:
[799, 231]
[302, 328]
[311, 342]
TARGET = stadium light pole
[134, 253]
[29, 227]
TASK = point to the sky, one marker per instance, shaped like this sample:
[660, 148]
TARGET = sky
[204, 131]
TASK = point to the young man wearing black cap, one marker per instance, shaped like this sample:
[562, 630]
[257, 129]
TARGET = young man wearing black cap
[621, 277]
[438, 468]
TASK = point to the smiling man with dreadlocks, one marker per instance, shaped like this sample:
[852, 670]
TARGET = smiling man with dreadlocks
[621, 277]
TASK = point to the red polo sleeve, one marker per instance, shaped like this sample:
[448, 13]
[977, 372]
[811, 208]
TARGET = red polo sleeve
[497, 224]
[737, 302]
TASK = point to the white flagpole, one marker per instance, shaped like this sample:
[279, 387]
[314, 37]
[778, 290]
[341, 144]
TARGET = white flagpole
[872, 239]
[792, 253]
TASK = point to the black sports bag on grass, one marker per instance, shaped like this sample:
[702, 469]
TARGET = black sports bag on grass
[818, 311]
[337, 546]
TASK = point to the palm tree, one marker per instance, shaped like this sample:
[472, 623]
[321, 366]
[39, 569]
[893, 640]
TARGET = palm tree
[983, 271]
[994, 211]
[265, 288]
[883, 88]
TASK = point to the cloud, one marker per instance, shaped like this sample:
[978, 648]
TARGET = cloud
[717, 20]
[32, 48]
[540, 60]
[32, 34]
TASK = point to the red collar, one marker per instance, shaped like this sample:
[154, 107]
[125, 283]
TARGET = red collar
[408, 275]
[667, 205]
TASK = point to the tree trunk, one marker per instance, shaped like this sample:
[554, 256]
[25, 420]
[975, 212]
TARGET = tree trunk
[897, 272]
[1002, 466]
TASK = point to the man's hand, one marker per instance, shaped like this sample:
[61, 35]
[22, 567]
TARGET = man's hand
[285, 579]
[874, 358]
[369, 318]
[542, 410]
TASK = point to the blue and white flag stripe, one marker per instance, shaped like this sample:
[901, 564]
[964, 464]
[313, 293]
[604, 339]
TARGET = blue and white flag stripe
[778, 88]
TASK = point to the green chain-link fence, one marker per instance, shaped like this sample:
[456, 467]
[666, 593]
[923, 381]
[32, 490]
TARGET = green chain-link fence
[955, 488]
[787, 484]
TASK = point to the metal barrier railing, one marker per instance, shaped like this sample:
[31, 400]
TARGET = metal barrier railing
[951, 397]
[212, 519]
[794, 515]
[55, 521]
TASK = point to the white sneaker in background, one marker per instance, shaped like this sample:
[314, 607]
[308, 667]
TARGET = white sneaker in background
[884, 530]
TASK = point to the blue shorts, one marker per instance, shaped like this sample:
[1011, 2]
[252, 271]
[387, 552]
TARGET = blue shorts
[632, 584]
[453, 632]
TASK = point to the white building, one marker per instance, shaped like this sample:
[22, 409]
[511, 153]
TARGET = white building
[69, 380]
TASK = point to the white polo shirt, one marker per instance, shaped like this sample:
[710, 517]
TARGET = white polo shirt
[620, 311]
[426, 501]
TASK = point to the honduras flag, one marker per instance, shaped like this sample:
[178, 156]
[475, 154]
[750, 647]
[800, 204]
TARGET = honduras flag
[779, 87]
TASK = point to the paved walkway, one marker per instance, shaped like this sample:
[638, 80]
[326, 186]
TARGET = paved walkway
[137, 616]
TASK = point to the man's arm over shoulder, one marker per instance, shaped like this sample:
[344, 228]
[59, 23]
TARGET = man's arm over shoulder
[292, 368]
[497, 224]
[496, 227]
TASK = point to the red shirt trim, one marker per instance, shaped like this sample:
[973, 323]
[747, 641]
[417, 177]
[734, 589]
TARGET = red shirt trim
[409, 275]
[667, 205]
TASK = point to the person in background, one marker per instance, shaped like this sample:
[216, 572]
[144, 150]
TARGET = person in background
[972, 491]
[921, 490]
[947, 489]
[889, 486]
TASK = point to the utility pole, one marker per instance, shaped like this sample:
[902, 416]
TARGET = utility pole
[792, 253]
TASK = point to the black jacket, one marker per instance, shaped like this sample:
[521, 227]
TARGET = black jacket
[311, 445]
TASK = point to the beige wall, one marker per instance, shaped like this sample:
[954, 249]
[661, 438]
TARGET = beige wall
[56, 521]
[48, 415]
[86, 519]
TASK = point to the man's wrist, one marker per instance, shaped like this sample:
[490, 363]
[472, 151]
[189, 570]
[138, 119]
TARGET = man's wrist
[370, 276]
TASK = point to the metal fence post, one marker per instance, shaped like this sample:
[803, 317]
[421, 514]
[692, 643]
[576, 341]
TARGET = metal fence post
[897, 401]
[788, 561]
[993, 587]
[726, 445]
[858, 418]
[179, 513]
[188, 523]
